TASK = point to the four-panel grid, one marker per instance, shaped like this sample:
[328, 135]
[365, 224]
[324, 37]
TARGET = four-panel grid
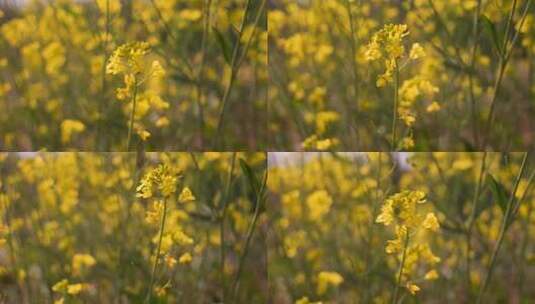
[267, 151]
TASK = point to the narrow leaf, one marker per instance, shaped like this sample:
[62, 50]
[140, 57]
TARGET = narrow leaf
[254, 183]
[223, 44]
[499, 192]
[490, 28]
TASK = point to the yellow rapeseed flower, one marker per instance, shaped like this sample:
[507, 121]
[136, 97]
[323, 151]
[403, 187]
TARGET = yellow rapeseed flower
[186, 196]
[417, 51]
[387, 44]
[128, 59]
[319, 204]
[75, 289]
[401, 210]
[69, 127]
[185, 258]
[326, 279]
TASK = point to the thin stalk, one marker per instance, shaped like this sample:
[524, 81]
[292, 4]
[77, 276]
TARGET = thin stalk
[395, 114]
[503, 229]
[252, 226]
[520, 25]
[449, 35]
[526, 237]
[471, 219]
[401, 265]
[523, 197]
[123, 225]
[353, 51]
[169, 32]
[157, 257]
[505, 55]
[235, 66]
[353, 42]
[371, 228]
[195, 162]
[501, 70]
[243, 55]
[103, 74]
[488, 124]
[471, 72]
[233, 69]
[223, 215]
[132, 116]
[199, 80]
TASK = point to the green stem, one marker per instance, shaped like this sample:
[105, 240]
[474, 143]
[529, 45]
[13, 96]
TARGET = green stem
[395, 116]
[252, 226]
[370, 237]
[235, 66]
[526, 237]
[353, 50]
[472, 218]
[471, 72]
[158, 250]
[222, 228]
[355, 82]
[505, 55]
[169, 32]
[132, 116]
[122, 229]
[99, 140]
[503, 229]
[199, 78]
[401, 265]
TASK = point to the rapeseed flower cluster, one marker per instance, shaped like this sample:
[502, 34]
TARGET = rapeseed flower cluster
[130, 61]
[387, 46]
[160, 184]
[318, 204]
[402, 211]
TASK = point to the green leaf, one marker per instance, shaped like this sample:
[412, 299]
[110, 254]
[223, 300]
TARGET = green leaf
[498, 191]
[259, 193]
[490, 28]
[254, 183]
[225, 47]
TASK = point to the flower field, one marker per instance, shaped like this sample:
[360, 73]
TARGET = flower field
[267, 151]
[110, 75]
[419, 75]
[396, 228]
[132, 228]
